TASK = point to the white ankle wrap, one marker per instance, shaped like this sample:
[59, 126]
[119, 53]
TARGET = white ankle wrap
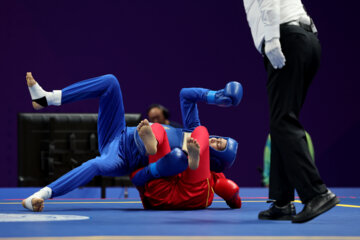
[52, 98]
[44, 193]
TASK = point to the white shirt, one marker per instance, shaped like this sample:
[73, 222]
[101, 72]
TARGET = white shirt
[265, 16]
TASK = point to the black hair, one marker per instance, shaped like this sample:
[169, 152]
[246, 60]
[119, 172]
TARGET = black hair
[164, 110]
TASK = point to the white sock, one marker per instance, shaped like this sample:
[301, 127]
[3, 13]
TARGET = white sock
[44, 193]
[52, 98]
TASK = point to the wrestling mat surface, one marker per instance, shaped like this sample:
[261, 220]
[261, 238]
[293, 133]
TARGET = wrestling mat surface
[81, 214]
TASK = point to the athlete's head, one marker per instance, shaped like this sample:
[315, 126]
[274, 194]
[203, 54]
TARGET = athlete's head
[157, 113]
[222, 152]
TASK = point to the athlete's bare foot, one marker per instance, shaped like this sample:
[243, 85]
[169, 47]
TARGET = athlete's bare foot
[36, 203]
[193, 148]
[31, 82]
[30, 79]
[147, 136]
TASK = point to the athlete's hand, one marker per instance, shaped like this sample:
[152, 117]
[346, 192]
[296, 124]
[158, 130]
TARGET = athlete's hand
[274, 53]
[229, 191]
[220, 98]
[234, 91]
[231, 95]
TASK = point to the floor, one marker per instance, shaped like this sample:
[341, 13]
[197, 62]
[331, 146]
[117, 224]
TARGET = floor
[83, 215]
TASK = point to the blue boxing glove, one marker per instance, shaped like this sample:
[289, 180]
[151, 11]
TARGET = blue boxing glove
[234, 91]
[218, 98]
[229, 96]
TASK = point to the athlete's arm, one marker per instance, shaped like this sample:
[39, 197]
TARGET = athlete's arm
[231, 95]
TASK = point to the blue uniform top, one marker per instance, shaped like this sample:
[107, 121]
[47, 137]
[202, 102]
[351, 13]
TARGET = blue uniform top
[131, 148]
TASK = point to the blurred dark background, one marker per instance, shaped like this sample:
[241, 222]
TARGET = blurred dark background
[157, 47]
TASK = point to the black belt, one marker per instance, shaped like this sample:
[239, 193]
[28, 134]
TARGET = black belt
[307, 27]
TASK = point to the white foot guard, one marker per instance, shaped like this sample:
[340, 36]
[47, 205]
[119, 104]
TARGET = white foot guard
[39, 96]
[35, 202]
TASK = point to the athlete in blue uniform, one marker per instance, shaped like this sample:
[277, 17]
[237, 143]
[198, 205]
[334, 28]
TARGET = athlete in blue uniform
[122, 149]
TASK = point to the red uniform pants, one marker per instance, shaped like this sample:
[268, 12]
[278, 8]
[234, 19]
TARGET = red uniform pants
[191, 189]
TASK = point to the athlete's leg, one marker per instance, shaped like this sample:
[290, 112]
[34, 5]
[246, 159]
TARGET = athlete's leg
[163, 146]
[108, 164]
[111, 122]
[203, 171]
[111, 119]
[164, 163]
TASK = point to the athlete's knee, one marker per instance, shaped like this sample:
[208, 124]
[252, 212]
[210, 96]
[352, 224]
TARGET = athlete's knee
[201, 134]
[159, 132]
[157, 126]
[111, 80]
[201, 130]
[94, 164]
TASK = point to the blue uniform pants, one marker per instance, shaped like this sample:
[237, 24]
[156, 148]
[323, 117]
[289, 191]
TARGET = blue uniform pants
[111, 124]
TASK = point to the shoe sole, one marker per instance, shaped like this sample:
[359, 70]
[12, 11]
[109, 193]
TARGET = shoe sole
[283, 218]
[332, 203]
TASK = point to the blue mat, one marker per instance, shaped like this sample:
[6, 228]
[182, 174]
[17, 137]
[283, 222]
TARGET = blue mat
[119, 217]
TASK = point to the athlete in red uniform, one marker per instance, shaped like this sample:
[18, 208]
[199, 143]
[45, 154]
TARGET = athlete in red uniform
[188, 189]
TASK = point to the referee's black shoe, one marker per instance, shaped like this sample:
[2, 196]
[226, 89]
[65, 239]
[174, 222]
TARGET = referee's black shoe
[316, 206]
[278, 213]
